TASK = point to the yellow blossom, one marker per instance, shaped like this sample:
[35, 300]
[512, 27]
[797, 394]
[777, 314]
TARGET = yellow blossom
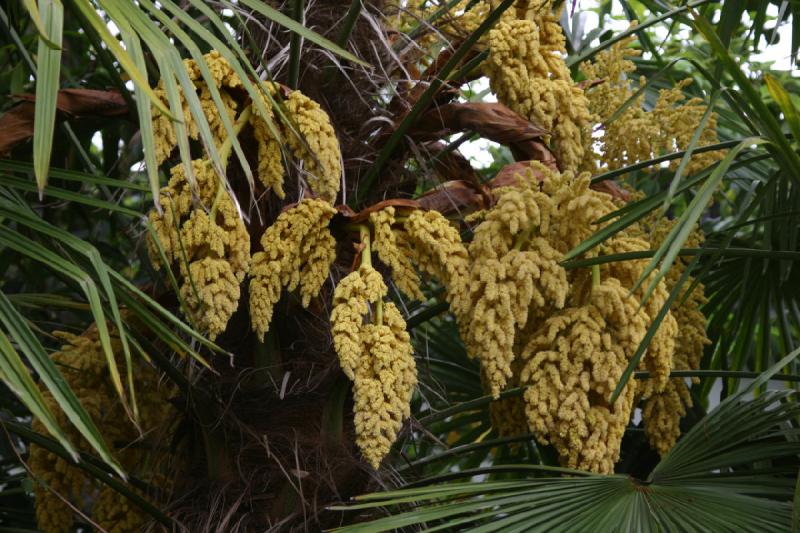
[177, 204]
[298, 250]
[386, 246]
[350, 305]
[527, 71]
[662, 411]
[638, 134]
[270, 155]
[501, 293]
[572, 365]
[376, 355]
[83, 365]
[323, 163]
[224, 78]
[436, 249]
[515, 274]
[211, 293]
[658, 358]
[202, 246]
[384, 383]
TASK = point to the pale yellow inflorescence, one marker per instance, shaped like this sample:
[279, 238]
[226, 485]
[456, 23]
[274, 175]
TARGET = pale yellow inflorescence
[270, 169]
[376, 355]
[298, 250]
[435, 247]
[370, 334]
[385, 243]
[211, 294]
[224, 78]
[83, 364]
[662, 411]
[303, 116]
[351, 301]
[212, 253]
[638, 134]
[323, 164]
[514, 269]
[383, 385]
[565, 335]
[658, 359]
[527, 71]
[573, 364]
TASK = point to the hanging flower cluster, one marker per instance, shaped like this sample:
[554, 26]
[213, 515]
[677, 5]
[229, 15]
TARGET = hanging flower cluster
[374, 348]
[638, 134]
[662, 411]
[573, 363]
[565, 335]
[298, 250]
[200, 229]
[83, 365]
[206, 237]
[370, 335]
[225, 80]
[308, 136]
[527, 71]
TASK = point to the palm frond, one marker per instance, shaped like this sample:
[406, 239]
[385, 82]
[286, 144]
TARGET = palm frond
[735, 470]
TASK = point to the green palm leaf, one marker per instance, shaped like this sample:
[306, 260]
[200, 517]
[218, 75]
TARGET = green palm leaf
[733, 471]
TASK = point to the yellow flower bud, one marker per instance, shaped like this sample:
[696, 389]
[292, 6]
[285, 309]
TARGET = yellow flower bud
[395, 257]
[298, 250]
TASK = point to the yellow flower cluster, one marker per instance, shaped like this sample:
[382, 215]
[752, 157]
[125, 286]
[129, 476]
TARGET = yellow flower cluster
[316, 145]
[207, 239]
[270, 151]
[527, 71]
[526, 68]
[391, 253]
[638, 134]
[514, 269]
[435, 247]
[370, 335]
[82, 362]
[298, 250]
[662, 411]
[383, 385]
[224, 79]
[319, 149]
[308, 133]
[351, 301]
[565, 335]
[376, 355]
[201, 229]
[660, 352]
[573, 363]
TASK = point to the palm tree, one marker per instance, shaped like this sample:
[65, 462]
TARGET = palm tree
[192, 194]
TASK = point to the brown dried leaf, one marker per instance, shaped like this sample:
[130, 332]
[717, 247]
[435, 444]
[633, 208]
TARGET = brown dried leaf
[508, 174]
[16, 125]
[493, 121]
[454, 196]
[352, 216]
[83, 102]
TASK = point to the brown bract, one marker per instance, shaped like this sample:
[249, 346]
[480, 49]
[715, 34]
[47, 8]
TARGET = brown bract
[16, 125]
